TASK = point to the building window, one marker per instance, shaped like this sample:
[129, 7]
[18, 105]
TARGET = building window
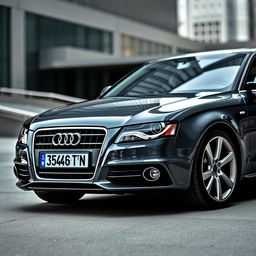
[94, 40]
[107, 42]
[51, 33]
[42, 33]
[80, 37]
[4, 47]
[207, 32]
[132, 46]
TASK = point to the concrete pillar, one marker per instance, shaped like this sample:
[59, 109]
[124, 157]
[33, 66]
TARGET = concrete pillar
[18, 64]
[117, 44]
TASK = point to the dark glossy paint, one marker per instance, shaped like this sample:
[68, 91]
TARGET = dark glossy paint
[234, 112]
[116, 112]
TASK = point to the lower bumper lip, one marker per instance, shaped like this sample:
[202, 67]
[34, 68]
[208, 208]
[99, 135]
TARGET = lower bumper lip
[103, 188]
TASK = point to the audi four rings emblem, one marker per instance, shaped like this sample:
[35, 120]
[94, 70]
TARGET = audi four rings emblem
[66, 139]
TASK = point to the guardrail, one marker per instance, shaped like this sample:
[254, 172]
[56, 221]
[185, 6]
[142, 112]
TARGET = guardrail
[16, 111]
[40, 95]
[17, 105]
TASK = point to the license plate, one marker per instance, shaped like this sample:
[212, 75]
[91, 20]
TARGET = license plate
[64, 160]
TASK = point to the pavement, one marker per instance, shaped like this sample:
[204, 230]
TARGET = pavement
[123, 225]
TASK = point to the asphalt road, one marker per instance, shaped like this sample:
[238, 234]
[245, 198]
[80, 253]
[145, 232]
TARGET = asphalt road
[120, 225]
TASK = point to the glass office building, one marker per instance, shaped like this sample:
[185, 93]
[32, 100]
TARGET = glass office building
[43, 32]
[77, 47]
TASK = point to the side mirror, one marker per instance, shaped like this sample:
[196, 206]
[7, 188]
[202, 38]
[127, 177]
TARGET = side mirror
[249, 92]
[105, 89]
[250, 85]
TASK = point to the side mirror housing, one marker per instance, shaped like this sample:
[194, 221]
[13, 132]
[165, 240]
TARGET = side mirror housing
[250, 86]
[105, 89]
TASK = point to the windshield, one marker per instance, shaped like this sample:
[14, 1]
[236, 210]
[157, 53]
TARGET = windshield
[182, 75]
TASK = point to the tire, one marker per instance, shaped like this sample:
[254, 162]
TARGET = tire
[62, 197]
[215, 172]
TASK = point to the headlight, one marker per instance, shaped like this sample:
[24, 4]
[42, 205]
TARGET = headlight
[23, 136]
[145, 132]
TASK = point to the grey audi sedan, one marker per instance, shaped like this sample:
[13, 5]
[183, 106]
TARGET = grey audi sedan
[182, 123]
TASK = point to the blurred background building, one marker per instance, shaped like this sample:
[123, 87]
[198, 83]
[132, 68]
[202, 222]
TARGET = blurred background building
[76, 47]
[217, 21]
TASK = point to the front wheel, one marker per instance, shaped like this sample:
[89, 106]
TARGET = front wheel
[60, 197]
[215, 172]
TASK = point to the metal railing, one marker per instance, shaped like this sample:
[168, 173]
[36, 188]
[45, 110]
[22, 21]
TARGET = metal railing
[39, 95]
[16, 111]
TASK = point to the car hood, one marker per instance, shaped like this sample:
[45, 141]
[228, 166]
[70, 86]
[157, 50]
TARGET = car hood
[119, 111]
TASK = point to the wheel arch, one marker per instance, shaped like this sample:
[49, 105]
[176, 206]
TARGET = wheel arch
[231, 132]
[192, 130]
[197, 191]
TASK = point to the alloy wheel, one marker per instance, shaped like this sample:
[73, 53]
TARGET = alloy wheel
[219, 168]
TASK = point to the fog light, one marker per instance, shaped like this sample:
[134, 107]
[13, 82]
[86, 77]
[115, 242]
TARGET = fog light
[151, 174]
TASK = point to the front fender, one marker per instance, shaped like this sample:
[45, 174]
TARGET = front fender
[193, 129]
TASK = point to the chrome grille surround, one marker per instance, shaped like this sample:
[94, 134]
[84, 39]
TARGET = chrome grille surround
[101, 131]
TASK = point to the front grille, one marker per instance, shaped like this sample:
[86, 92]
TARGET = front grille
[91, 140]
[132, 175]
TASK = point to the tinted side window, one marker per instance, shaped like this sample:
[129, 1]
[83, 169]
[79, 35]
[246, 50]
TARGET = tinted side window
[250, 81]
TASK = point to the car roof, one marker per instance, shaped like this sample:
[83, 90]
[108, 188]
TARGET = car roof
[195, 54]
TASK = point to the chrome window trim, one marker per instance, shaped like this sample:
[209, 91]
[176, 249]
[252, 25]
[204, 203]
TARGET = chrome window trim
[61, 128]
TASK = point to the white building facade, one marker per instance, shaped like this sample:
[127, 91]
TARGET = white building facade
[214, 21]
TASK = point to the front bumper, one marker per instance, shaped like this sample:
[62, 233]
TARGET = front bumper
[174, 164]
